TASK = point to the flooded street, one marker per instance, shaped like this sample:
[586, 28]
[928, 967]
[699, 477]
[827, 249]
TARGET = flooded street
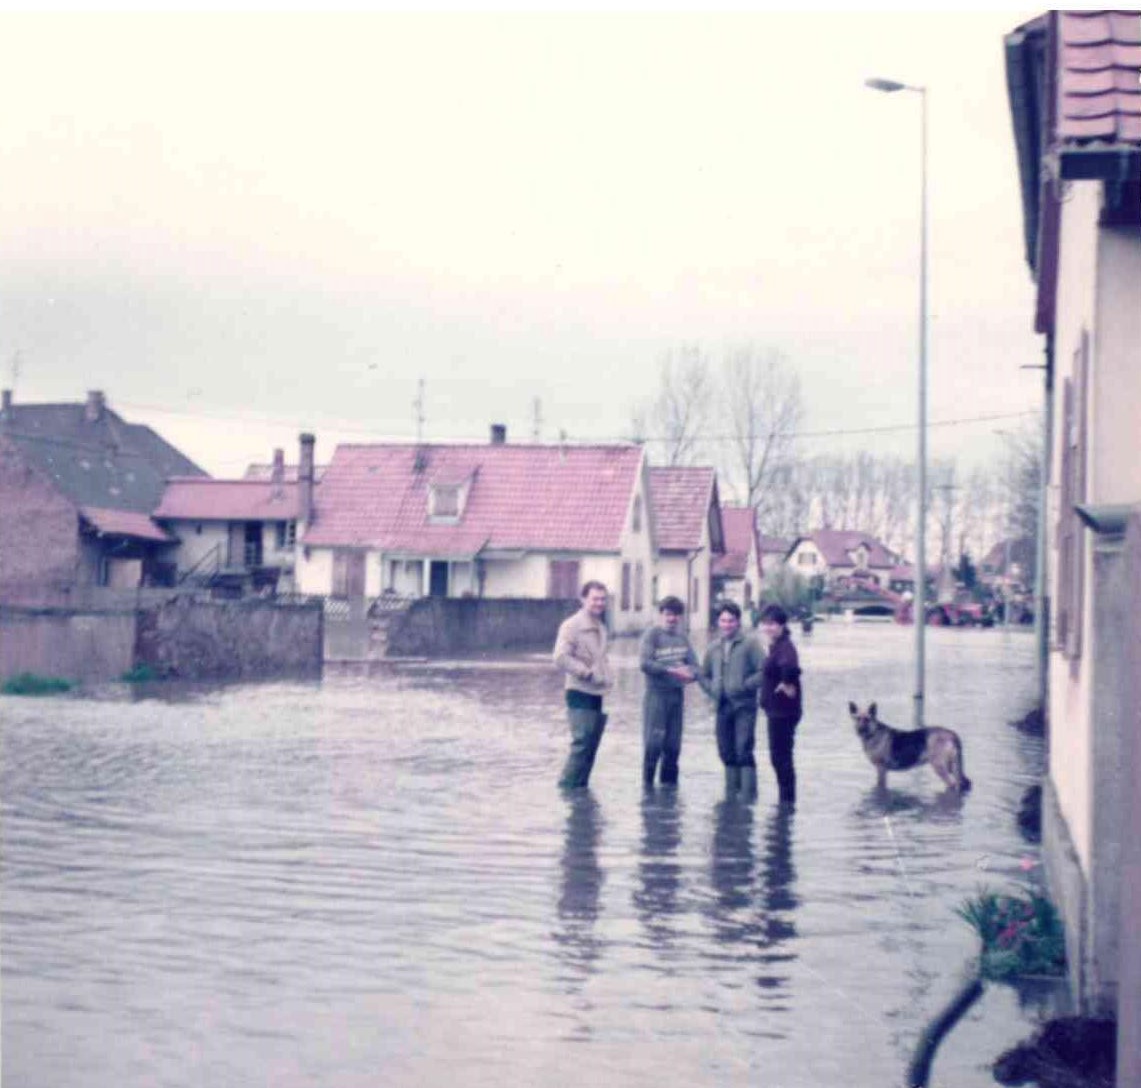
[375, 880]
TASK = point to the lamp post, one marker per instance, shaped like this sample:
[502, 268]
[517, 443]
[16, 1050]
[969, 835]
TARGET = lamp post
[1008, 528]
[919, 608]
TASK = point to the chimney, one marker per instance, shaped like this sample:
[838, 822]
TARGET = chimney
[93, 409]
[277, 476]
[6, 404]
[304, 479]
[499, 434]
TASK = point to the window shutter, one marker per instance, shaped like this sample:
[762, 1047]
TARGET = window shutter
[625, 587]
[1064, 526]
[1080, 466]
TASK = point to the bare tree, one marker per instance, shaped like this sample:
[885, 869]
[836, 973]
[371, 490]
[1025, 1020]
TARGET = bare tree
[761, 403]
[675, 420]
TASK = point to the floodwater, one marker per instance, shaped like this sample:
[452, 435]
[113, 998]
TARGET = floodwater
[375, 881]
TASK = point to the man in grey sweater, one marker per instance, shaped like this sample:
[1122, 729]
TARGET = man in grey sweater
[669, 663]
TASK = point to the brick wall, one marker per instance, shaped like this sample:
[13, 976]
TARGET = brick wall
[230, 640]
[39, 528]
[464, 625]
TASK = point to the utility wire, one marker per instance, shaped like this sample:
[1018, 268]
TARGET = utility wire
[354, 428]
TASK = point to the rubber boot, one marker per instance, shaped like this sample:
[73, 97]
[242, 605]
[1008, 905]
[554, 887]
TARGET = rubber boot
[732, 781]
[748, 783]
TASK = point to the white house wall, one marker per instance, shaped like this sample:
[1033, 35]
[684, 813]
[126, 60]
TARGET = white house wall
[1077, 310]
[194, 546]
[1115, 451]
[525, 577]
[314, 574]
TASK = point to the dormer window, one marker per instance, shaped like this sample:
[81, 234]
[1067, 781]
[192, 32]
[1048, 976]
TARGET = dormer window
[447, 496]
[444, 501]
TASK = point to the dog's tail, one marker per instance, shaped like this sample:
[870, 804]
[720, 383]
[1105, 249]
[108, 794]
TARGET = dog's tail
[964, 781]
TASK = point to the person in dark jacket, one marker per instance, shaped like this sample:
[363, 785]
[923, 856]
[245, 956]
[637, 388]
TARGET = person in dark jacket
[669, 663]
[730, 676]
[781, 698]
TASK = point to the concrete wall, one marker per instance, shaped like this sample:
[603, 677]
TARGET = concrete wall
[1129, 982]
[435, 626]
[1084, 873]
[39, 528]
[230, 639]
[73, 645]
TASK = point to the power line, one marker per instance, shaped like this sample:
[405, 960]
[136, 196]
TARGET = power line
[354, 428]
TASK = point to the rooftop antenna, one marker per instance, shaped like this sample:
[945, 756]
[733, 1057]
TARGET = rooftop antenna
[536, 419]
[418, 404]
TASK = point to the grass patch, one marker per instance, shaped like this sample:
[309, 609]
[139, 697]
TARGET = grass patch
[140, 674]
[30, 683]
[1020, 934]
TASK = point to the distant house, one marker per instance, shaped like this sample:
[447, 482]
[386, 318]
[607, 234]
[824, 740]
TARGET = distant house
[494, 520]
[687, 520]
[78, 485]
[1019, 554]
[1074, 80]
[239, 533]
[737, 573]
[840, 557]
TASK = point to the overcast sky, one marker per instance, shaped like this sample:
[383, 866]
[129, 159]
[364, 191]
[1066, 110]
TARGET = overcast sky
[241, 227]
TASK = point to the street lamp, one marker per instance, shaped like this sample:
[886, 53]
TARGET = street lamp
[919, 609]
[1008, 528]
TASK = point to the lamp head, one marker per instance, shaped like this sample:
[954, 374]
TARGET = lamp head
[886, 85]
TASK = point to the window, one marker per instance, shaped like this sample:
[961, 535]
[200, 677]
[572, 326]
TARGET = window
[806, 559]
[286, 534]
[444, 501]
[562, 579]
[637, 516]
[625, 605]
[639, 587]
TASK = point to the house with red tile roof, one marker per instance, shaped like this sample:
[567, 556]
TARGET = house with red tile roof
[483, 520]
[737, 573]
[1074, 85]
[839, 556]
[78, 486]
[240, 532]
[687, 520]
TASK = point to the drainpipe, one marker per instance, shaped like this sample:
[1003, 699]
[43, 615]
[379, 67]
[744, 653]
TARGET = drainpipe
[1041, 583]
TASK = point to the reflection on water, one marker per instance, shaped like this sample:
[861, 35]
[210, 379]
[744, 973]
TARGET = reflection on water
[659, 871]
[375, 880]
[580, 885]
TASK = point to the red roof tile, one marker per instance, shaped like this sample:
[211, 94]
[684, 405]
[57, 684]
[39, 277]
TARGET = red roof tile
[739, 523]
[191, 498]
[123, 523]
[773, 545]
[836, 545]
[680, 499]
[1099, 76]
[575, 498]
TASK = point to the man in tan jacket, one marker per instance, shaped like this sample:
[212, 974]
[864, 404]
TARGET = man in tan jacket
[580, 651]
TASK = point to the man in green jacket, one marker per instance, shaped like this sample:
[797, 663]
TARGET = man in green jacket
[731, 675]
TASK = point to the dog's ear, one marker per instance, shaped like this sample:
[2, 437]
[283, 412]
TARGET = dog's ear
[853, 709]
[872, 711]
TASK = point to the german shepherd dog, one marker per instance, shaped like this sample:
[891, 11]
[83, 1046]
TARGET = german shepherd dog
[901, 749]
